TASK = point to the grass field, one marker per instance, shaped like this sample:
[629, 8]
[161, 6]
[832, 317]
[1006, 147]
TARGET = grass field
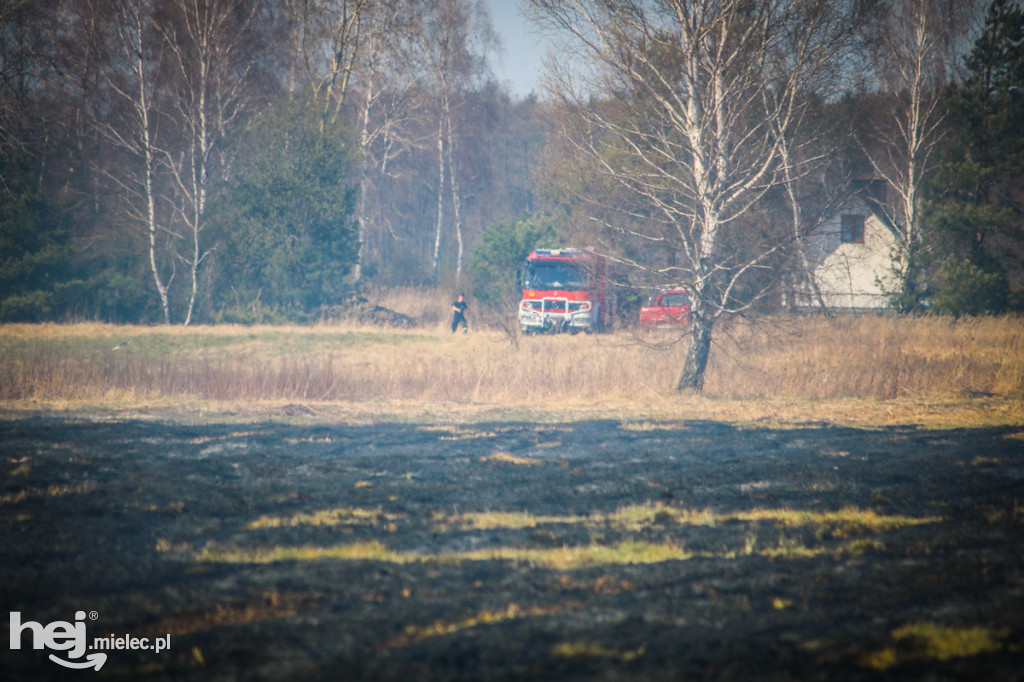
[860, 370]
[291, 502]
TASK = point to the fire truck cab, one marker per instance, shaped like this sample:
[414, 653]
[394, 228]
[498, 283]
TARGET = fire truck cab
[563, 291]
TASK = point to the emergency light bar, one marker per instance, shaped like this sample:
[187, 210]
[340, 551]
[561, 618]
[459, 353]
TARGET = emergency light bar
[556, 252]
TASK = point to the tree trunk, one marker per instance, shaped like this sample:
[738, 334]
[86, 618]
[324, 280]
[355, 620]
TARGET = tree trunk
[142, 107]
[199, 177]
[364, 174]
[151, 228]
[691, 379]
[456, 197]
[364, 180]
[440, 199]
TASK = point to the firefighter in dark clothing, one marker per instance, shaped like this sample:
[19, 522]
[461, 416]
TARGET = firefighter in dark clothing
[459, 314]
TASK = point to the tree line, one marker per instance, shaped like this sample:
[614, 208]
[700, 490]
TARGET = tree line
[185, 161]
[204, 160]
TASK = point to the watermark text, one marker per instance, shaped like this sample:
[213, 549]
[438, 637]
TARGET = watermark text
[71, 640]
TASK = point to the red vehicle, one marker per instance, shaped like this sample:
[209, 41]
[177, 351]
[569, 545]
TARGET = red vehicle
[668, 308]
[564, 290]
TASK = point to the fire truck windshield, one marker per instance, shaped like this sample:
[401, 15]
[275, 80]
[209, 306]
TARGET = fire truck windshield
[550, 276]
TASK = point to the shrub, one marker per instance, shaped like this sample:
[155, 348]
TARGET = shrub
[963, 288]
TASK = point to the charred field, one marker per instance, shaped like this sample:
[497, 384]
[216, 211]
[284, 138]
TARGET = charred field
[576, 550]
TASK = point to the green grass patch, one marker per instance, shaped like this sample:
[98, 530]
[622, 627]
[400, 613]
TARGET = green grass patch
[578, 650]
[211, 343]
[360, 551]
[929, 641]
[852, 523]
[341, 516]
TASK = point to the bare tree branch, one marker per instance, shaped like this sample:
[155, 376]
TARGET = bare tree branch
[691, 111]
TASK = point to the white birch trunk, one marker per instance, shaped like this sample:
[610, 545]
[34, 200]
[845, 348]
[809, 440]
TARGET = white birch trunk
[456, 196]
[142, 107]
[440, 200]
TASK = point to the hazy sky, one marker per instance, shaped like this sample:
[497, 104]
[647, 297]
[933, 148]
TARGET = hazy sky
[520, 62]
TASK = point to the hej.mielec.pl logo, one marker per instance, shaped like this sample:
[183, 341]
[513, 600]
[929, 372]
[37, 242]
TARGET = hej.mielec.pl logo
[70, 637]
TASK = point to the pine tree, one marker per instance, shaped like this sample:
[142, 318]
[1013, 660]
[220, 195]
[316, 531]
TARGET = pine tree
[976, 207]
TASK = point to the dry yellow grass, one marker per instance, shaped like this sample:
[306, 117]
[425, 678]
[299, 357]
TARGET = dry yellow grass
[55, 490]
[341, 516]
[509, 458]
[883, 358]
[844, 522]
[856, 370]
[424, 305]
[263, 607]
[414, 634]
[564, 558]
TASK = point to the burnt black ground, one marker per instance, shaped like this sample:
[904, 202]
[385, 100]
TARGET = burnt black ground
[106, 517]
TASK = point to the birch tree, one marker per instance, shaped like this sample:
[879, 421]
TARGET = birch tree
[329, 38]
[365, 50]
[209, 52]
[683, 108]
[184, 79]
[914, 43]
[388, 77]
[136, 136]
[456, 36]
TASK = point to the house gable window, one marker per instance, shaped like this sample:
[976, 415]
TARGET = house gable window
[852, 229]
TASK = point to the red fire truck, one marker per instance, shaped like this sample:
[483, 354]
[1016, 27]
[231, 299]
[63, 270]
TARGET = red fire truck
[564, 290]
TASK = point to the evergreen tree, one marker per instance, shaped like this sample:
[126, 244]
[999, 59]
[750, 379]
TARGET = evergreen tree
[34, 249]
[285, 223]
[977, 193]
[495, 260]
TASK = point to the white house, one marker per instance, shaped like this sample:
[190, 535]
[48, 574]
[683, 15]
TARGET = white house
[850, 256]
